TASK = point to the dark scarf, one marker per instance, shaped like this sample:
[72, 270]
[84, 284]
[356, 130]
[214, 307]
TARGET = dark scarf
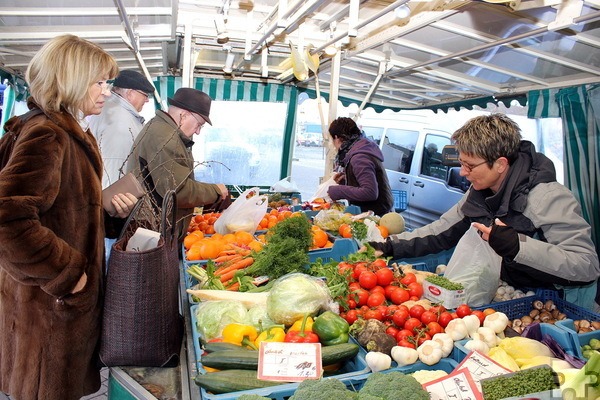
[343, 151]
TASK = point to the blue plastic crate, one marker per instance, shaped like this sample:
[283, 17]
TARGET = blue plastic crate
[431, 261]
[400, 200]
[578, 339]
[516, 308]
[353, 373]
[342, 247]
[445, 364]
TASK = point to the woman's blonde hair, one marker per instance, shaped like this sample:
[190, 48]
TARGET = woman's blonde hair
[62, 71]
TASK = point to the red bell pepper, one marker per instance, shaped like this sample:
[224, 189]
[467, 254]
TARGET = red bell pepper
[301, 336]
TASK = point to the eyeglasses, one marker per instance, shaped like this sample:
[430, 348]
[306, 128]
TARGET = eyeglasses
[469, 167]
[200, 124]
[107, 84]
[146, 95]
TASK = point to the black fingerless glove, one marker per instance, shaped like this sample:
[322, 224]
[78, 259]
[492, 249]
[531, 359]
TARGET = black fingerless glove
[505, 241]
[385, 247]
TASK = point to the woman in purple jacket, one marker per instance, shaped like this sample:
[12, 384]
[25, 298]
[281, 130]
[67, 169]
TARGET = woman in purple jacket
[359, 166]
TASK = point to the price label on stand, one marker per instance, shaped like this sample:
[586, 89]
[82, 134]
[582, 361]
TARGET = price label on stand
[290, 362]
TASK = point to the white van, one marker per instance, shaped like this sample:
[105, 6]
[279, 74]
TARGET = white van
[412, 151]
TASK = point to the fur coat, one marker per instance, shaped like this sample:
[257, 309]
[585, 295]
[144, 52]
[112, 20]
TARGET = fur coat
[51, 231]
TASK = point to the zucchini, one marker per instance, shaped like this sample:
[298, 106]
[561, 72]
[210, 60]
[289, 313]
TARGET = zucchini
[248, 360]
[231, 380]
[220, 346]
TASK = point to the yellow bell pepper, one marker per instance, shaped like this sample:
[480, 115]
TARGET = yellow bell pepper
[296, 326]
[240, 334]
[271, 334]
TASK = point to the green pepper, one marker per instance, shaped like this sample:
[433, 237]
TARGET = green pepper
[331, 329]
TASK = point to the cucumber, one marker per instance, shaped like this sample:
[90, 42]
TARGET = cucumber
[248, 360]
[220, 346]
[231, 380]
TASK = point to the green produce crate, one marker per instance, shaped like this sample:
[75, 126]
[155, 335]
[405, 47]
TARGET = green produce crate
[578, 339]
[353, 373]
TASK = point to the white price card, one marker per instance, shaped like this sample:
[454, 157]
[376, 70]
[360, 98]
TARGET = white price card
[458, 385]
[290, 362]
[481, 366]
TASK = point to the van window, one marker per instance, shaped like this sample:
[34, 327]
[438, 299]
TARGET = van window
[432, 157]
[373, 132]
[398, 149]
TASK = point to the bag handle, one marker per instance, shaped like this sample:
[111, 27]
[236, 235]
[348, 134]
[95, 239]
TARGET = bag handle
[169, 203]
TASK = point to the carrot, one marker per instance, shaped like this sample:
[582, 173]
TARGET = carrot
[227, 252]
[242, 263]
[235, 267]
[235, 286]
[229, 257]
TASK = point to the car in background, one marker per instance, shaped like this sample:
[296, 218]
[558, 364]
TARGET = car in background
[310, 136]
[412, 153]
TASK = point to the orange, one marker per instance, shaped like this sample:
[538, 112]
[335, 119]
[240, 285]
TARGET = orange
[345, 230]
[189, 240]
[255, 245]
[383, 230]
[243, 237]
[229, 238]
[264, 223]
[210, 249]
[328, 245]
[193, 254]
[320, 238]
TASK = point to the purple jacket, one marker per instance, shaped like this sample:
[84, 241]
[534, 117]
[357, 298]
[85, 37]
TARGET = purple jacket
[366, 183]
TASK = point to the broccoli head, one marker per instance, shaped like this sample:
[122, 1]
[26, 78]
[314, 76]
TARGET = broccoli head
[392, 386]
[323, 389]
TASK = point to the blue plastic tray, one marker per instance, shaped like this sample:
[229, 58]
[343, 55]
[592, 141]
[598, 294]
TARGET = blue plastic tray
[431, 261]
[577, 339]
[342, 247]
[353, 373]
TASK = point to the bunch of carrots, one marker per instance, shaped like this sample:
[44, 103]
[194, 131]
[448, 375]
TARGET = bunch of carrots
[230, 261]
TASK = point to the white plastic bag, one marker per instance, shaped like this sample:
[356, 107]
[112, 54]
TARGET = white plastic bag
[286, 185]
[477, 266]
[321, 192]
[244, 214]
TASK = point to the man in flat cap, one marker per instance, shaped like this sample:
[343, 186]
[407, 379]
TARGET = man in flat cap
[162, 156]
[120, 122]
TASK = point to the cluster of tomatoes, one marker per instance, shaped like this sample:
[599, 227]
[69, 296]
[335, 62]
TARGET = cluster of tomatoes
[376, 292]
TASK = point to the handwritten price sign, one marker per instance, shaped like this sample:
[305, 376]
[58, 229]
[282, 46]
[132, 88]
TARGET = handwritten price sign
[290, 362]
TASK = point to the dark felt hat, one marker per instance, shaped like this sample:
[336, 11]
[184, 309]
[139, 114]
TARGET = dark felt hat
[192, 100]
[130, 79]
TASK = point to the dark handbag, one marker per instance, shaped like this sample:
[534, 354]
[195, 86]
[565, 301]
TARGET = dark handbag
[141, 325]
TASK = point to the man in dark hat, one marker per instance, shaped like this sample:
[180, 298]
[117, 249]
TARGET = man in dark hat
[120, 122]
[163, 159]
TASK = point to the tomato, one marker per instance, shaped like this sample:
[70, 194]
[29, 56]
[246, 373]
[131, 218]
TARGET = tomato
[463, 310]
[353, 286]
[392, 331]
[412, 324]
[415, 289]
[376, 299]
[416, 311]
[373, 314]
[488, 311]
[400, 317]
[351, 316]
[408, 278]
[406, 343]
[434, 327]
[423, 336]
[362, 296]
[379, 264]
[402, 307]
[378, 289]
[388, 291]
[367, 280]
[479, 315]
[351, 302]
[404, 334]
[399, 296]
[385, 276]
[438, 309]
[358, 269]
[444, 318]
[391, 309]
[383, 310]
[428, 317]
